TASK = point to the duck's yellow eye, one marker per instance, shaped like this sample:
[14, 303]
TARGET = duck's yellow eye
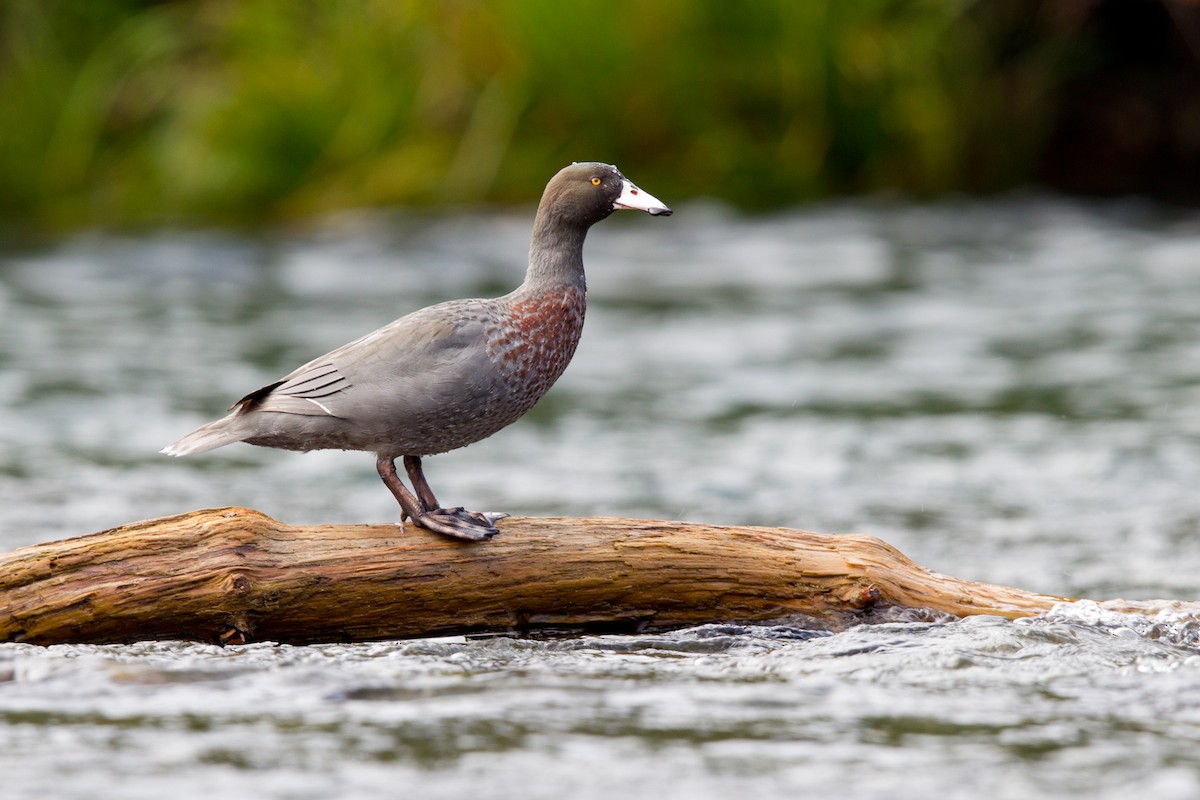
[595, 181]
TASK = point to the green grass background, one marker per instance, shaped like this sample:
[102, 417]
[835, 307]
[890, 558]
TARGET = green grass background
[250, 111]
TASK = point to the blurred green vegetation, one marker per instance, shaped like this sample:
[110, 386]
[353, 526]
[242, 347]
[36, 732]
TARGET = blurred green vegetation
[249, 111]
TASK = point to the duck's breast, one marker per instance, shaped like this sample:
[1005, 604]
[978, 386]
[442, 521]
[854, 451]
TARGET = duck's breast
[533, 343]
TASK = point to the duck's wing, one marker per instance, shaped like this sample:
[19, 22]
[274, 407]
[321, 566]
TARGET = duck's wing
[302, 392]
[413, 346]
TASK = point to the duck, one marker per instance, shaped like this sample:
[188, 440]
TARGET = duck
[447, 375]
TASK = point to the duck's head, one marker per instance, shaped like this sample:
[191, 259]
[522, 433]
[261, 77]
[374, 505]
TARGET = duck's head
[587, 192]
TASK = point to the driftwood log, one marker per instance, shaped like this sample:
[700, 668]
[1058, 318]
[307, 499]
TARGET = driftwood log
[235, 575]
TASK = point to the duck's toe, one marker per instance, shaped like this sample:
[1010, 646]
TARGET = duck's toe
[486, 519]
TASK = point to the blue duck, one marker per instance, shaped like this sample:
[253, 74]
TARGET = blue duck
[448, 375]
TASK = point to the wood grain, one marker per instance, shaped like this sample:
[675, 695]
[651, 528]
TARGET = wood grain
[234, 574]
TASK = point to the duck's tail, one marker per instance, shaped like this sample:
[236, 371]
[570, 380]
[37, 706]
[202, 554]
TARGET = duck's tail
[206, 437]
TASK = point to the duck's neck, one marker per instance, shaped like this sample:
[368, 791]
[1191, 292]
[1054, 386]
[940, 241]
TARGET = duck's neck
[555, 256]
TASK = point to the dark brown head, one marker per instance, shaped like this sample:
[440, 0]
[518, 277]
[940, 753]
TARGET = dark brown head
[585, 193]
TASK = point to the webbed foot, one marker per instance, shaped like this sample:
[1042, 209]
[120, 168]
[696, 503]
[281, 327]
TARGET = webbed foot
[458, 523]
[423, 509]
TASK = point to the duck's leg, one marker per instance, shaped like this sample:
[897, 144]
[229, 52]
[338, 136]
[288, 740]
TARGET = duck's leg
[416, 474]
[454, 523]
[457, 517]
[411, 507]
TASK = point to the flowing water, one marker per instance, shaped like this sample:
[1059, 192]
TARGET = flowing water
[1008, 391]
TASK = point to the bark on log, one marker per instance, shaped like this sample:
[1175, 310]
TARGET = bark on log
[234, 574]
